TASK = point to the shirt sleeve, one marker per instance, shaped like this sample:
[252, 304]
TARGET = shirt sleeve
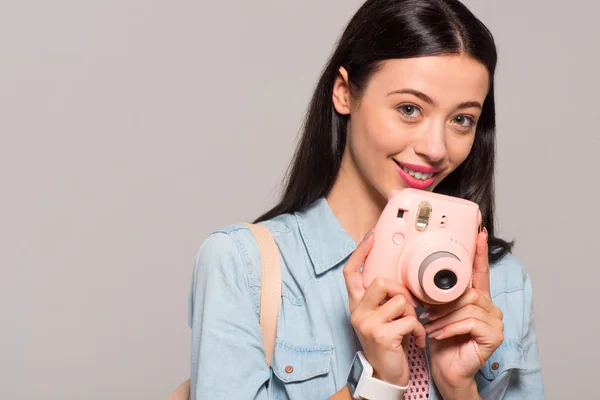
[527, 383]
[228, 358]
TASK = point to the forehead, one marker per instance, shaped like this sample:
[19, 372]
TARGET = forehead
[447, 79]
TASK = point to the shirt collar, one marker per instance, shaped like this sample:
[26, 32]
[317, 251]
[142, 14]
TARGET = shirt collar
[326, 240]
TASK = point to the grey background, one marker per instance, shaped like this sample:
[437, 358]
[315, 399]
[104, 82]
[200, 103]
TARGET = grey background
[130, 129]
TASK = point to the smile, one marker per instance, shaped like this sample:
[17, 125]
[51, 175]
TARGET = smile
[416, 176]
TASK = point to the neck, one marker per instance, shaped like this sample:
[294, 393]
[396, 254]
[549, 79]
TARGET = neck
[356, 205]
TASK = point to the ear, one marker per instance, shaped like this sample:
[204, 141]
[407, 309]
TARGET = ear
[341, 92]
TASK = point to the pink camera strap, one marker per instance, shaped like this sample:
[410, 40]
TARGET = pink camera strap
[418, 383]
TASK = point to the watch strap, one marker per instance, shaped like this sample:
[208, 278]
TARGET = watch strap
[375, 389]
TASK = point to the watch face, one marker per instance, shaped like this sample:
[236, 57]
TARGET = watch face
[355, 373]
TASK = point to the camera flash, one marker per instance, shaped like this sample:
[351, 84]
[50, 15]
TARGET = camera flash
[423, 216]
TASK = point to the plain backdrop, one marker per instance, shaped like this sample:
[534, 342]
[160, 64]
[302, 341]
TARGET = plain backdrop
[130, 129]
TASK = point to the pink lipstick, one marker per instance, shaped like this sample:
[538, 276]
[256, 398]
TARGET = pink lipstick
[416, 179]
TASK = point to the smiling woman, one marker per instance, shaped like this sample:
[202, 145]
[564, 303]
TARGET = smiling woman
[426, 126]
[405, 101]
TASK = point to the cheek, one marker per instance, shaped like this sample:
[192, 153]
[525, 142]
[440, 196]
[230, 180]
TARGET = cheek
[378, 130]
[459, 150]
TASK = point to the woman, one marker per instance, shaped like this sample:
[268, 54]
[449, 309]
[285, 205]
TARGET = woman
[406, 100]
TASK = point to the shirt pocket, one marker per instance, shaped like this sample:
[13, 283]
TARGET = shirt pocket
[507, 357]
[302, 371]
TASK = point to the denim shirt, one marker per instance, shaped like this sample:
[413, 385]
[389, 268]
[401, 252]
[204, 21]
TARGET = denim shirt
[315, 342]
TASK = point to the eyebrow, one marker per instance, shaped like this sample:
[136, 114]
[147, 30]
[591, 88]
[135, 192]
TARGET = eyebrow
[429, 100]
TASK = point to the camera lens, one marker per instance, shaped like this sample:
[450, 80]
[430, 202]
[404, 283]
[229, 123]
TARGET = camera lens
[445, 279]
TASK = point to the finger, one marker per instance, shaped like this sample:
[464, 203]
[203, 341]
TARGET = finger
[471, 296]
[393, 309]
[382, 289]
[486, 336]
[481, 265]
[352, 276]
[469, 311]
[405, 326]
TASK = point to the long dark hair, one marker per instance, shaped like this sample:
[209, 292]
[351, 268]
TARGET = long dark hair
[387, 29]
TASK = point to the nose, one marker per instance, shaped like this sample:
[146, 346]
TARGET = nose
[431, 144]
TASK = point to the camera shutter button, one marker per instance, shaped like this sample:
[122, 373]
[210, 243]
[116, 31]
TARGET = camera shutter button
[398, 239]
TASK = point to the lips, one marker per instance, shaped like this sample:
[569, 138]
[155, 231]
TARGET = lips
[417, 176]
[419, 168]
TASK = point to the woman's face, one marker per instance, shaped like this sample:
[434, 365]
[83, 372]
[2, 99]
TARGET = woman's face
[415, 122]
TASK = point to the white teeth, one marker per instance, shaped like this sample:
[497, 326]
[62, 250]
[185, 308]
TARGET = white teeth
[418, 175]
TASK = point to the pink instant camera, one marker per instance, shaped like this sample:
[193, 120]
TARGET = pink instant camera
[426, 241]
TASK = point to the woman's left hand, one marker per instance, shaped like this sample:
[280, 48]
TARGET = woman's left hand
[454, 326]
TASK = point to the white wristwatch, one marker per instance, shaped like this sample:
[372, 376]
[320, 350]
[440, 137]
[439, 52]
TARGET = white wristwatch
[363, 386]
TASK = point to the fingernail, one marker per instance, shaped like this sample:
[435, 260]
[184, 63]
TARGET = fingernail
[424, 315]
[435, 334]
[485, 231]
[368, 235]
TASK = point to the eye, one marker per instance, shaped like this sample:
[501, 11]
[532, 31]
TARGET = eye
[464, 121]
[409, 111]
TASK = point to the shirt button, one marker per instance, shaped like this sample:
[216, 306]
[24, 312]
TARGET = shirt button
[289, 369]
[495, 366]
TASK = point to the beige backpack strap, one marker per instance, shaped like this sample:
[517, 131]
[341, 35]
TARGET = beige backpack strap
[270, 298]
[270, 293]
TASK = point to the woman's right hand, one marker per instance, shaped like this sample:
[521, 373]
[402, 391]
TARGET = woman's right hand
[383, 317]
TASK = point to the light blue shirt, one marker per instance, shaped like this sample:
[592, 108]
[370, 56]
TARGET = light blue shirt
[314, 334]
